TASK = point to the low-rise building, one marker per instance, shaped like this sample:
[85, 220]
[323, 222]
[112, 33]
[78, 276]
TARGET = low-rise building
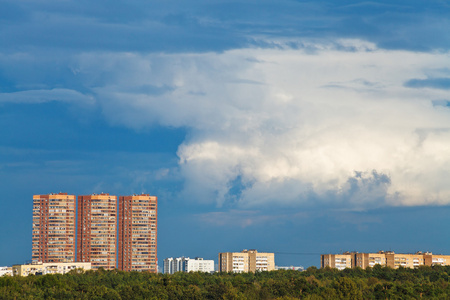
[167, 267]
[246, 261]
[383, 258]
[173, 265]
[186, 264]
[198, 264]
[338, 261]
[48, 268]
[364, 260]
[298, 268]
[5, 271]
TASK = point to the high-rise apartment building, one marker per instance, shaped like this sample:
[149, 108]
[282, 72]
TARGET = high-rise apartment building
[383, 258]
[53, 238]
[138, 233]
[96, 234]
[246, 261]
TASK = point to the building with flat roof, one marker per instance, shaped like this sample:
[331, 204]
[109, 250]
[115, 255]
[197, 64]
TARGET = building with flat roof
[246, 261]
[199, 264]
[172, 265]
[383, 258]
[96, 234]
[338, 261]
[53, 236]
[186, 264]
[6, 271]
[167, 265]
[49, 268]
[295, 268]
[138, 233]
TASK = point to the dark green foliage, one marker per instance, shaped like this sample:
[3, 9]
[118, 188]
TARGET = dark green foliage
[313, 284]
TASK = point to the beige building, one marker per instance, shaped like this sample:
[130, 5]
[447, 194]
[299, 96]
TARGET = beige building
[385, 259]
[364, 260]
[138, 233]
[246, 261]
[338, 261]
[96, 234]
[48, 268]
[53, 237]
[433, 259]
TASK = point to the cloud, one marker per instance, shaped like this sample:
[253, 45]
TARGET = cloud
[336, 125]
[41, 96]
[329, 122]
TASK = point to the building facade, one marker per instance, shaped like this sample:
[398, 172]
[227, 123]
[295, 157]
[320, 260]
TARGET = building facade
[338, 261]
[53, 237]
[199, 264]
[6, 271]
[172, 265]
[167, 267]
[138, 233]
[246, 261]
[294, 268]
[186, 264]
[96, 234]
[48, 268]
[383, 258]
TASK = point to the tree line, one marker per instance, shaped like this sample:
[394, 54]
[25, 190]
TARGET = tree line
[372, 283]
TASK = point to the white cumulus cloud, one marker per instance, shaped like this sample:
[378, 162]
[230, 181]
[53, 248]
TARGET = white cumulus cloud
[330, 123]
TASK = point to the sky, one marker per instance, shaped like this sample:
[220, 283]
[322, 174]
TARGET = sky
[294, 127]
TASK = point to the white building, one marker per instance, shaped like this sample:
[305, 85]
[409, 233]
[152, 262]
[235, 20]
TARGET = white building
[5, 271]
[186, 264]
[172, 265]
[168, 266]
[198, 265]
[299, 268]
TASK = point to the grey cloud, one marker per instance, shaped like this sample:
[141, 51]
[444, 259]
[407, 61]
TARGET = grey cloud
[367, 188]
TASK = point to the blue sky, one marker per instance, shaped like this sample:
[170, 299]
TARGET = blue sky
[299, 127]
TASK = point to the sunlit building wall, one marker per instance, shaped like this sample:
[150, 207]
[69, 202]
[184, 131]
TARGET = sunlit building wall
[49, 268]
[138, 233]
[53, 235]
[246, 261]
[96, 234]
[384, 259]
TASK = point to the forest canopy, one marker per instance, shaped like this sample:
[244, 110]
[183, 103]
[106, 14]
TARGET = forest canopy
[371, 283]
